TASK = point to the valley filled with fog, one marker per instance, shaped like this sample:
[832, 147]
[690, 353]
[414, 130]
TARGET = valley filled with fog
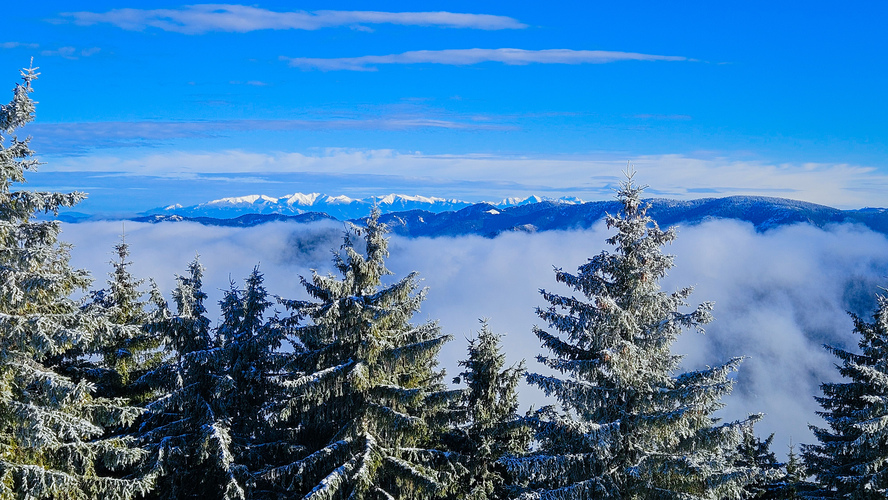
[779, 295]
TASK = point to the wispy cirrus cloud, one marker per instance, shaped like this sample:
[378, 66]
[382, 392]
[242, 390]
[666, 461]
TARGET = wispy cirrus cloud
[77, 138]
[204, 18]
[252, 83]
[68, 52]
[71, 52]
[464, 57]
[15, 45]
[673, 117]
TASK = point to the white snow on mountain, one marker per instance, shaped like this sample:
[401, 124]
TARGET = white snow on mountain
[251, 200]
[300, 199]
[341, 207]
[338, 200]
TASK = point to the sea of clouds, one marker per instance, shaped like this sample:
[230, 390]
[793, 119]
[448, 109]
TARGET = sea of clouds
[778, 295]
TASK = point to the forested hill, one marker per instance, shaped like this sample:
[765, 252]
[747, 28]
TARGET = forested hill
[488, 220]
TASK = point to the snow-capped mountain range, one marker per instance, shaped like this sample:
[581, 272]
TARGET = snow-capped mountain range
[426, 216]
[340, 207]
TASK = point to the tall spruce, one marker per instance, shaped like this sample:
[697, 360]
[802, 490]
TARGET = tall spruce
[251, 349]
[369, 403]
[795, 483]
[127, 350]
[851, 460]
[493, 429]
[187, 428]
[630, 426]
[54, 432]
[756, 453]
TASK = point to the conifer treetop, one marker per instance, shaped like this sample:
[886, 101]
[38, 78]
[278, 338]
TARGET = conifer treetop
[368, 400]
[20, 111]
[631, 425]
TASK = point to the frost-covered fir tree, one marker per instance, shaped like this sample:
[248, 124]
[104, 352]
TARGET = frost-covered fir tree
[127, 350]
[187, 428]
[851, 460]
[493, 429]
[794, 483]
[369, 402]
[631, 427]
[250, 345]
[756, 453]
[53, 429]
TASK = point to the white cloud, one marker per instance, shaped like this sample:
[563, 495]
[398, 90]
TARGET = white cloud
[778, 295]
[255, 83]
[79, 136]
[671, 176]
[462, 57]
[198, 19]
[71, 52]
[663, 117]
[15, 45]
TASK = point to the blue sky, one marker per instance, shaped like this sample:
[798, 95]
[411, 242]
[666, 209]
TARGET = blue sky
[144, 104]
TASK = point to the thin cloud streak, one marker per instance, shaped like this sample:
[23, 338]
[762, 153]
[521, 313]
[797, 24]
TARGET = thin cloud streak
[204, 18]
[254, 83]
[663, 117]
[71, 53]
[81, 137]
[68, 52]
[465, 57]
[15, 45]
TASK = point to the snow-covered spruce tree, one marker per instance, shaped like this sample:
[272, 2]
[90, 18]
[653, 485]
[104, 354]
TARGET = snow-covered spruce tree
[795, 480]
[370, 402]
[493, 429]
[250, 345]
[127, 350]
[187, 428]
[851, 460]
[631, 428]
[756, 453]
[53, 429]
[775, 481]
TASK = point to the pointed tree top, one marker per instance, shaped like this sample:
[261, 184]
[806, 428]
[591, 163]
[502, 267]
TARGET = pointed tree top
[29, 74]
[629, 193]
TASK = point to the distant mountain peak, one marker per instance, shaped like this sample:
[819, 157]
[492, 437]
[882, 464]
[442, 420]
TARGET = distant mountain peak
[340, 200]
[252, 199]
[341, 207]
[300, 198]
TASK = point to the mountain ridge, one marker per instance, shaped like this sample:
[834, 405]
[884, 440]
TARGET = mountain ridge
[489, 220]
[341, 207]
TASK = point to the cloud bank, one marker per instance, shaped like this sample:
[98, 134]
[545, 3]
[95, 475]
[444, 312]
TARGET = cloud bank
[481, 177]
[204, 18]
[464, 57]
[778, 295]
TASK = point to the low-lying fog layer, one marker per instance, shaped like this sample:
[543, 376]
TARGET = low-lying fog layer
[778, 295]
